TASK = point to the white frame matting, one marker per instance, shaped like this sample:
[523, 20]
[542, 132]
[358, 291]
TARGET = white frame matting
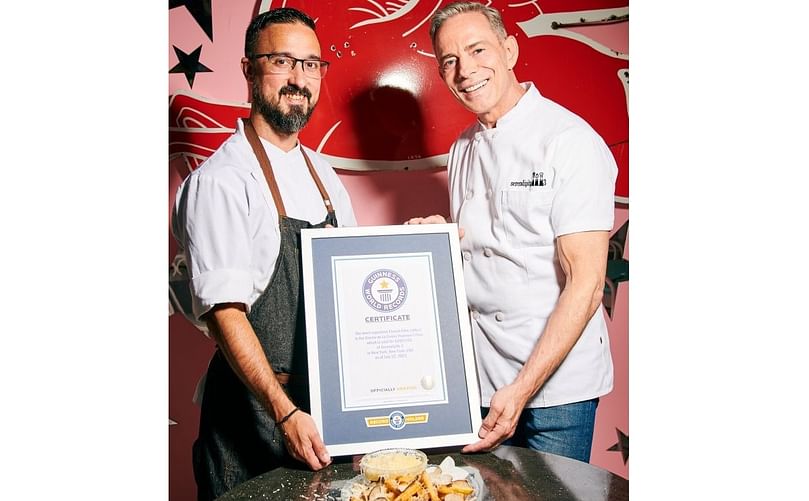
[389, 343]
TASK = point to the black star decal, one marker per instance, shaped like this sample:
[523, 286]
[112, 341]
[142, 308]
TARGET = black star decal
[617, 268]
[201, 12]
[622, 445]
[189, 64]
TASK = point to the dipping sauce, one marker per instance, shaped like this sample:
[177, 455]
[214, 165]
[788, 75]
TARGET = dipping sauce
[390, 463]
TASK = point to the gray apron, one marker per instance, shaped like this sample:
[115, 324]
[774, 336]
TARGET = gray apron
[237, 437]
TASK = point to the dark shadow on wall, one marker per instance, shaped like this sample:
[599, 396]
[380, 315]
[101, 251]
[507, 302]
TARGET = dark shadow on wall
[391, 122]
[393, 129]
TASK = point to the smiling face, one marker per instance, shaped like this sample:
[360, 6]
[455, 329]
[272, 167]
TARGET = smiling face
[285, 101]
[477, 66]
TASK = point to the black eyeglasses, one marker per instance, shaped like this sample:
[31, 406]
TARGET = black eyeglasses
[282, 64]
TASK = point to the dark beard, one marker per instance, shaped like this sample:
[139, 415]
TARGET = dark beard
[283, 123]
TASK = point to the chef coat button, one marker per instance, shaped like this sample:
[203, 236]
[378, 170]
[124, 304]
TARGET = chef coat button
[475, 314]
[469, 195]
[467, 255]
[498, 316]
[487, 252]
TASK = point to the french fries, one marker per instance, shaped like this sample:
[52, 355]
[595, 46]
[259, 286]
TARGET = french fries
[380, 482]
[428, 484]
[410, 488]
[459, 486]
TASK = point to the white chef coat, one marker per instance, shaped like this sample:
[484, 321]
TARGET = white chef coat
[540, 173]
[226, 223]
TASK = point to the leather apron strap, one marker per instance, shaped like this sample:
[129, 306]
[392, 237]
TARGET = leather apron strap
[266, 167]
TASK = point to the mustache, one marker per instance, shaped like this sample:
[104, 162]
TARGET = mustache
[294, 89]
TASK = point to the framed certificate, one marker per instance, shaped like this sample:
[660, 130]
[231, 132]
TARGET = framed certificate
[390, 354]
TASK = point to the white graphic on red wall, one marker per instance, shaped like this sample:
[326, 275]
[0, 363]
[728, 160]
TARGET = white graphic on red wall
[383, 105]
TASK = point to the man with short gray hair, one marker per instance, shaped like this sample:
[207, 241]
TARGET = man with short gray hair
[531, 187]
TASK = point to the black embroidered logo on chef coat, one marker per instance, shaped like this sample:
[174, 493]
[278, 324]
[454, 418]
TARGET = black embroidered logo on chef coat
[537, 179]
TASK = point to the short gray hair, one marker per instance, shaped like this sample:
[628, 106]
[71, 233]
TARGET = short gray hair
[453, 9]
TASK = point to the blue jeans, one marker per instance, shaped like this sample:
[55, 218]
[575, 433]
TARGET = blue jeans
[565, 430]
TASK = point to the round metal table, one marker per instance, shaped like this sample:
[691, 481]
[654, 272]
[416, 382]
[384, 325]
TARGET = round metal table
[508, 473]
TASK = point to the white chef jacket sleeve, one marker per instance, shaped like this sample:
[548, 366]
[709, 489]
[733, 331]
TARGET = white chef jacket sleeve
[585, 179]
[343, 209]
[340, 199]
[217, 242]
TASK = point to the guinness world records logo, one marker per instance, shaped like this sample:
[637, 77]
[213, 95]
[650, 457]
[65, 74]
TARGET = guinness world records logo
[397, 420]
[384, 290]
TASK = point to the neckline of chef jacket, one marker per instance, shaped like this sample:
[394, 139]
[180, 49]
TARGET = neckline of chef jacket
[515, 117]
[274, 153]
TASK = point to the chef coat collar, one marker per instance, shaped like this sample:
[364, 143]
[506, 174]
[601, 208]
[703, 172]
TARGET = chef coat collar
[274, 153]
[516, 116]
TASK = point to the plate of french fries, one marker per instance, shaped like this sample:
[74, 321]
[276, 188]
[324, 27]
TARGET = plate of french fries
[443, 482]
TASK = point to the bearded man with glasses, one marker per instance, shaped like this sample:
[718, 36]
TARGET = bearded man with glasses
[237, 219]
